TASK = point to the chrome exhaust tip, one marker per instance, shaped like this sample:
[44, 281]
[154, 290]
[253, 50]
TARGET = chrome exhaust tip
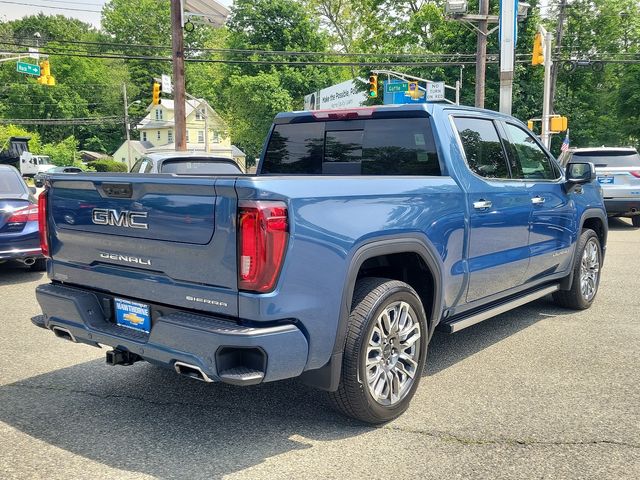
[27, 261]
[191, 371]
[63, 333]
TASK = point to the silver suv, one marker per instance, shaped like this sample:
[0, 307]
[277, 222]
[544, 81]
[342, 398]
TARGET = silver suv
[618, 171]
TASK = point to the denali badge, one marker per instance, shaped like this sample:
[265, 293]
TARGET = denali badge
[125, 218]
[125, 258]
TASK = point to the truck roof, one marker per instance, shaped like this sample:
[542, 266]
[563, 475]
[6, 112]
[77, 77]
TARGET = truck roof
[380, 111]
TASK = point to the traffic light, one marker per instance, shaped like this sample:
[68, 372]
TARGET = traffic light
[538, 54]
[156, 93]
[530, 125]
[558, 124]
[45, 77]
[373, 86]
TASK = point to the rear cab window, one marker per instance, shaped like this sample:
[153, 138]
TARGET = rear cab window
[394, 146]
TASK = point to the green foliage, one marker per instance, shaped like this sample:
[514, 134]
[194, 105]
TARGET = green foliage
[8, 131]
[63, 153]
[253, 102]
[109, 166]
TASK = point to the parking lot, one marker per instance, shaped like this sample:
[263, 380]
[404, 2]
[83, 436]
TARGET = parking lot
[539, 392]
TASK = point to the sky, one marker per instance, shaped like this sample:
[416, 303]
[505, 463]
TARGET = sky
[85, 10]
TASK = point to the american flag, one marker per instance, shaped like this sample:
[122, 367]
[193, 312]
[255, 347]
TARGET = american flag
[565, 143]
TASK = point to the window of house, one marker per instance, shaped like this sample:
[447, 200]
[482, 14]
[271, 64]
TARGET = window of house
[200, 114]
[144, 136]
[158, 135]
[482, 147]
[216, 137]
[170, 136]
[158, 114]
[200, 136]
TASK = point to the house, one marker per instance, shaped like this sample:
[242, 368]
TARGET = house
[135, 148]
[206, 131]
[89, 156]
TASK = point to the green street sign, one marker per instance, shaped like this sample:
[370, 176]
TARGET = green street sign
[396, 87]
[28, 68]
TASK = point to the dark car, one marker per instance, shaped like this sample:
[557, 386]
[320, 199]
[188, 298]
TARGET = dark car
[40, 177]
[19, 236]
[186, 163]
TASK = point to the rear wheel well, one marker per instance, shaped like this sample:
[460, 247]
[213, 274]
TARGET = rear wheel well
[408, 267]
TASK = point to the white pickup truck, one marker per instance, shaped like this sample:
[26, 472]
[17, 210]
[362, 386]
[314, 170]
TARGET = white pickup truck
[31, 164]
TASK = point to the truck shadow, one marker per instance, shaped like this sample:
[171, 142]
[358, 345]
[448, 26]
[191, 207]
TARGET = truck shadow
[13, 273]
[148, 420]
[445, 350]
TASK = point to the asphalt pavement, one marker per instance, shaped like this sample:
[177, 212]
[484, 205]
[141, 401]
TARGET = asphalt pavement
[539, 392]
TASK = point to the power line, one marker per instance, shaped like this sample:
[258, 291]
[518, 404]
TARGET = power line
[51, 7]
[65, 2]
[62, 121]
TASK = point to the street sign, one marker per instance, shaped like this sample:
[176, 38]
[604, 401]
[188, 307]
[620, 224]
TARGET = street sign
[396, 87]
[34, 53]
[28, 68]
[166, 84]
[435, 91]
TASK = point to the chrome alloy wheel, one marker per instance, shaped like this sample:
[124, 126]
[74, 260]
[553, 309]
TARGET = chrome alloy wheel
[589, 270]
[393, 353]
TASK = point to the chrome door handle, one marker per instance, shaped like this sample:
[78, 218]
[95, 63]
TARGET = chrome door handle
[482, 204]
[537, 200]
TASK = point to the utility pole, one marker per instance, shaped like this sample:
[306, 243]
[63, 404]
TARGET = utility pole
[177, 43]
[546, 101]
[559, 35]
[126, 124]
[481, 53]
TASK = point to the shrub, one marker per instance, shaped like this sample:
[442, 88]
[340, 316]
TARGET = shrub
[109, 166]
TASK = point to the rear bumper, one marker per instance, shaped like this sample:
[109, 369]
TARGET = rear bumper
[199, 340]
[622, 206]
[18, 254]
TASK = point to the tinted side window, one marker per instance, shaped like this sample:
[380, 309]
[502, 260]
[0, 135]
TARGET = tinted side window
[383, 147]
[530, 160]
[482, 147]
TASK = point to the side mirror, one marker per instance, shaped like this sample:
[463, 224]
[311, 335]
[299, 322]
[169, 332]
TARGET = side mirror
[580, 173]
[33, 190]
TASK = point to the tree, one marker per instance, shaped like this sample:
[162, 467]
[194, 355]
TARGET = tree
[253, 102]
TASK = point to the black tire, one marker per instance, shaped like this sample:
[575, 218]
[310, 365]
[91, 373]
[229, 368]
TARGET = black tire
[574, 298]
[635, 221]
[40, 265]
[353, 397]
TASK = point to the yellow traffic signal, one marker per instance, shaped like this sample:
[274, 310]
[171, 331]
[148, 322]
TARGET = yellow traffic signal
[156, 93]
[558, 124]
[530, 125]
[373, 86]
[45, 77]
[538, 53]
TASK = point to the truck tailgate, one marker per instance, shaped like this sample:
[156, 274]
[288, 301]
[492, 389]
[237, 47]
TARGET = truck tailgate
[161, 238]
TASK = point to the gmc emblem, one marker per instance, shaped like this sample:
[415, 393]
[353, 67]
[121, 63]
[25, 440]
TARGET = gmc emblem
[124, 218]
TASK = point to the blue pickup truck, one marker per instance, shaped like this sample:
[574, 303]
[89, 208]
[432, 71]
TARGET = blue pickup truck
[362, 232]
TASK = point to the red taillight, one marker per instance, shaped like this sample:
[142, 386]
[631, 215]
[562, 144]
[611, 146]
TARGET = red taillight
[42, 223]
[635, 173]
[262, 240]
[24, 215]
